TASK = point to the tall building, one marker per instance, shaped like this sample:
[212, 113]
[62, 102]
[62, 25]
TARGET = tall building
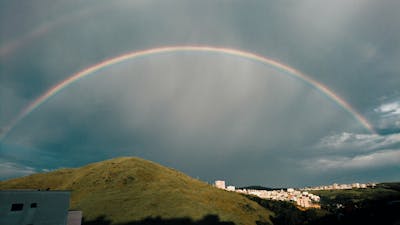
[33, 207]
[220, 184]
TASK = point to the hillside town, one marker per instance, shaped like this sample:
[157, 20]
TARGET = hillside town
[301, 197]
[340, 187]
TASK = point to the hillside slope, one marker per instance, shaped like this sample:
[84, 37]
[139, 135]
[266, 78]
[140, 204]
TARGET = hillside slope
[131, 189]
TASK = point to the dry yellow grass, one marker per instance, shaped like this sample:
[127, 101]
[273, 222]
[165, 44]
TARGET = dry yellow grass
[130, 189]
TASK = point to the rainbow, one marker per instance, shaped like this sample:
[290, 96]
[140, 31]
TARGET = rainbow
[19, 42]
[173, 49]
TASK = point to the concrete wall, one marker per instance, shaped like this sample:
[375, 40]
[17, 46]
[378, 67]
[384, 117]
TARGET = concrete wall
[32, 207]
[74, 218]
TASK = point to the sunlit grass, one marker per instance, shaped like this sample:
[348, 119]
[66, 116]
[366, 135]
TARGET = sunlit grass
[130, 189]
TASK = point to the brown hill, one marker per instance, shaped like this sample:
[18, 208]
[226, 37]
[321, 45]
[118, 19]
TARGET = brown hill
[132, 189]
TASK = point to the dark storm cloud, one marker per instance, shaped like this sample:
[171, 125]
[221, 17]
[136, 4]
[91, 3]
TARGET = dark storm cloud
[198, 113]
[210, 116]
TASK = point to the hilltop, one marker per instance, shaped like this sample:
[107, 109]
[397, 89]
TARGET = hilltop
[124, 190]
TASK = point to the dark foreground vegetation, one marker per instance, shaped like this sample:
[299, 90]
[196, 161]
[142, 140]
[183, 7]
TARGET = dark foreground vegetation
[380, 206]
[207, 220]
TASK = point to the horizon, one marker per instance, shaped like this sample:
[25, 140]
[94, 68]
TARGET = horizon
[212, 183]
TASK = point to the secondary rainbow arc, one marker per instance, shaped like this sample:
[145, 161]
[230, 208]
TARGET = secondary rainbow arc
[208, 49]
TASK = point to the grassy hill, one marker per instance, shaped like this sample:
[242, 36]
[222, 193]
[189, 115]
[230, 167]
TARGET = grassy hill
[132, 189]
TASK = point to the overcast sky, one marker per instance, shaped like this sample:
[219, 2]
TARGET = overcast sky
[212, 116]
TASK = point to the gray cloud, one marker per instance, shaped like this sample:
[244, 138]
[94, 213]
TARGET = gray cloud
[389, 109]
[208, 115]
[387, 116]
[173, 107]
[369, 155]
[387, 158]
[11, 170]
[358, 142]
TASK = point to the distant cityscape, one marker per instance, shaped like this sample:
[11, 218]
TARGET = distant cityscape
[301, 197]
[340, 187]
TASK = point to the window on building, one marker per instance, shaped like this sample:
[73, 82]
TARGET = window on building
[17, 207]
[34, 205]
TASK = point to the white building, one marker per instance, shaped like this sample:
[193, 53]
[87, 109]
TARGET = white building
[220, 184]
[34, 207]
[230, 188]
